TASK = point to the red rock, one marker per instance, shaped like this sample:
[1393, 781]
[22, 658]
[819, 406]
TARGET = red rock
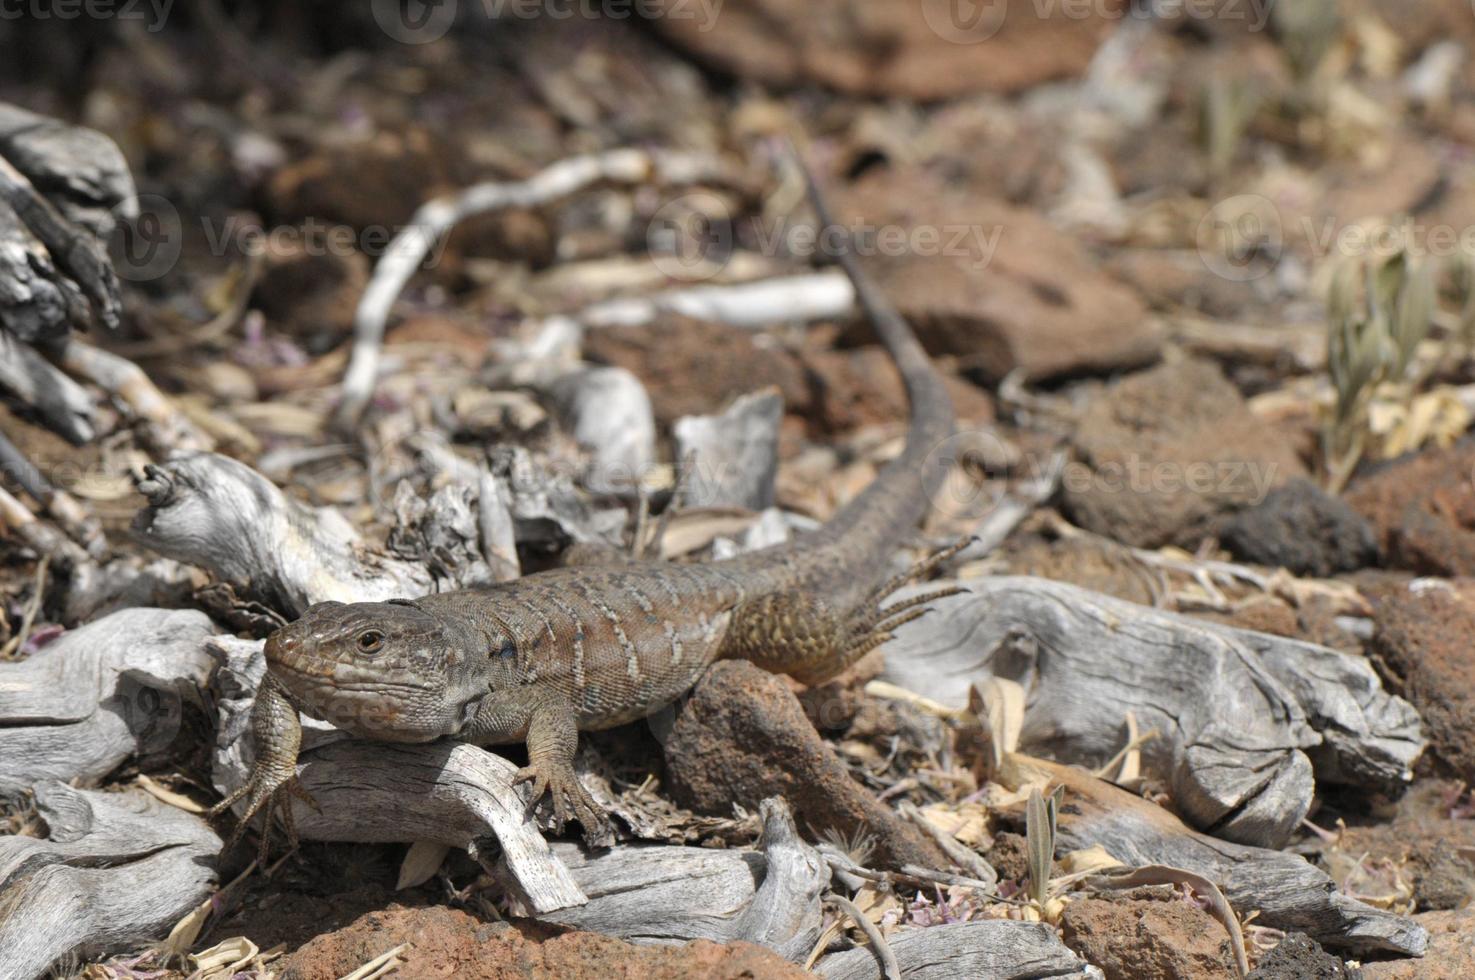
[918, 49]
[692, 367]
[742, 737]
[310, 287]
[857, 387]
[1135, 937]
[1422, 509]
[444, 942]
[1422, 638]
[1451, 953]
[377, 182]
[1164, 453]
[996, 286]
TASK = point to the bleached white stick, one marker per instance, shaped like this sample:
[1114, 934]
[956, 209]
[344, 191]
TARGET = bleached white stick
[434, 218]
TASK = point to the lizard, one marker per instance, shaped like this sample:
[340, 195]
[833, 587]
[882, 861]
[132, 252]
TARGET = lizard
[541, 658]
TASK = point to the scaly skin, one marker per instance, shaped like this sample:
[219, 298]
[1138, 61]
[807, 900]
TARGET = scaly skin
[540, 659]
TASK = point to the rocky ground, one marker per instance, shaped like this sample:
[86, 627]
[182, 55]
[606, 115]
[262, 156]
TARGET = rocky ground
[1135, 228]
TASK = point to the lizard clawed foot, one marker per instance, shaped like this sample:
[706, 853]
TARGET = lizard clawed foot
[570, 798]
[267, 794]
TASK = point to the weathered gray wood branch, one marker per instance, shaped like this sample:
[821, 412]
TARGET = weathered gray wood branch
[59, 188]
[1242, 716]
[28, 379]
[1000, 949]
[660, 894]
[1287, 891]
[100, 694]
[116, 868]
[212, 511]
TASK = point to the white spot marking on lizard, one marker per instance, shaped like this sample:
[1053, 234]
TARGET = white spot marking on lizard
[641, 600]
[675, 641]
[632, 666]
[573, 616]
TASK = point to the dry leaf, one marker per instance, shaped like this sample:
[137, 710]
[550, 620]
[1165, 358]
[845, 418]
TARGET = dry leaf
[1087, 860]
[421, 862]
[224, 959]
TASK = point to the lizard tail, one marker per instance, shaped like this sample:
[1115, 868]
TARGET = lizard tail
[866, 530]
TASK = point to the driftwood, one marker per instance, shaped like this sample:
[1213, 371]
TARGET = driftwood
[435, 218]
[100, 694]
[1287, 892]
[608, 413]
[116, 869]
[59, 273]
[82, 170]
[164, 428]
[447, 792]
[540, 501]
[212, 511]
[735, 453]
[55, 400]
[1000, 949]
[659, 894]
[1241, 716]
[821, 295]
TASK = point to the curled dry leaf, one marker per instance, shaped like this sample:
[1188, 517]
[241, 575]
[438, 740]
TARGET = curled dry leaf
[224, 959]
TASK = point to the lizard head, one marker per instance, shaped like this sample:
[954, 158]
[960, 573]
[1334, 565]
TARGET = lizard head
[385, 670]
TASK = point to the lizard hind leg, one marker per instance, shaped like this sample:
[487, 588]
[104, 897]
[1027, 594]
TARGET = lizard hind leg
[802, 635]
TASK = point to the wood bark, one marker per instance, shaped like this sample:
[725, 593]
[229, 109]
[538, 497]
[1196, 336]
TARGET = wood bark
[1246, 721]
[100, 694]
[1000, 949]
[660, 894]
[115, 868]
[1286, 891]
[222, 515]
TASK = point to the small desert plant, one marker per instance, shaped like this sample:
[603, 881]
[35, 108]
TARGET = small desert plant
[1307, 29]
[1229, 106]
[1039, 831]
[1377, 315]
[1462, 280]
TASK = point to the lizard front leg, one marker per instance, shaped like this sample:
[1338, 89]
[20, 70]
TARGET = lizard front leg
[277, 735]
[552, 735]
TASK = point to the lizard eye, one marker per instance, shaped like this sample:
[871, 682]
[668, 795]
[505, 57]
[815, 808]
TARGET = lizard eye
[370, 641]
[509, 649]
